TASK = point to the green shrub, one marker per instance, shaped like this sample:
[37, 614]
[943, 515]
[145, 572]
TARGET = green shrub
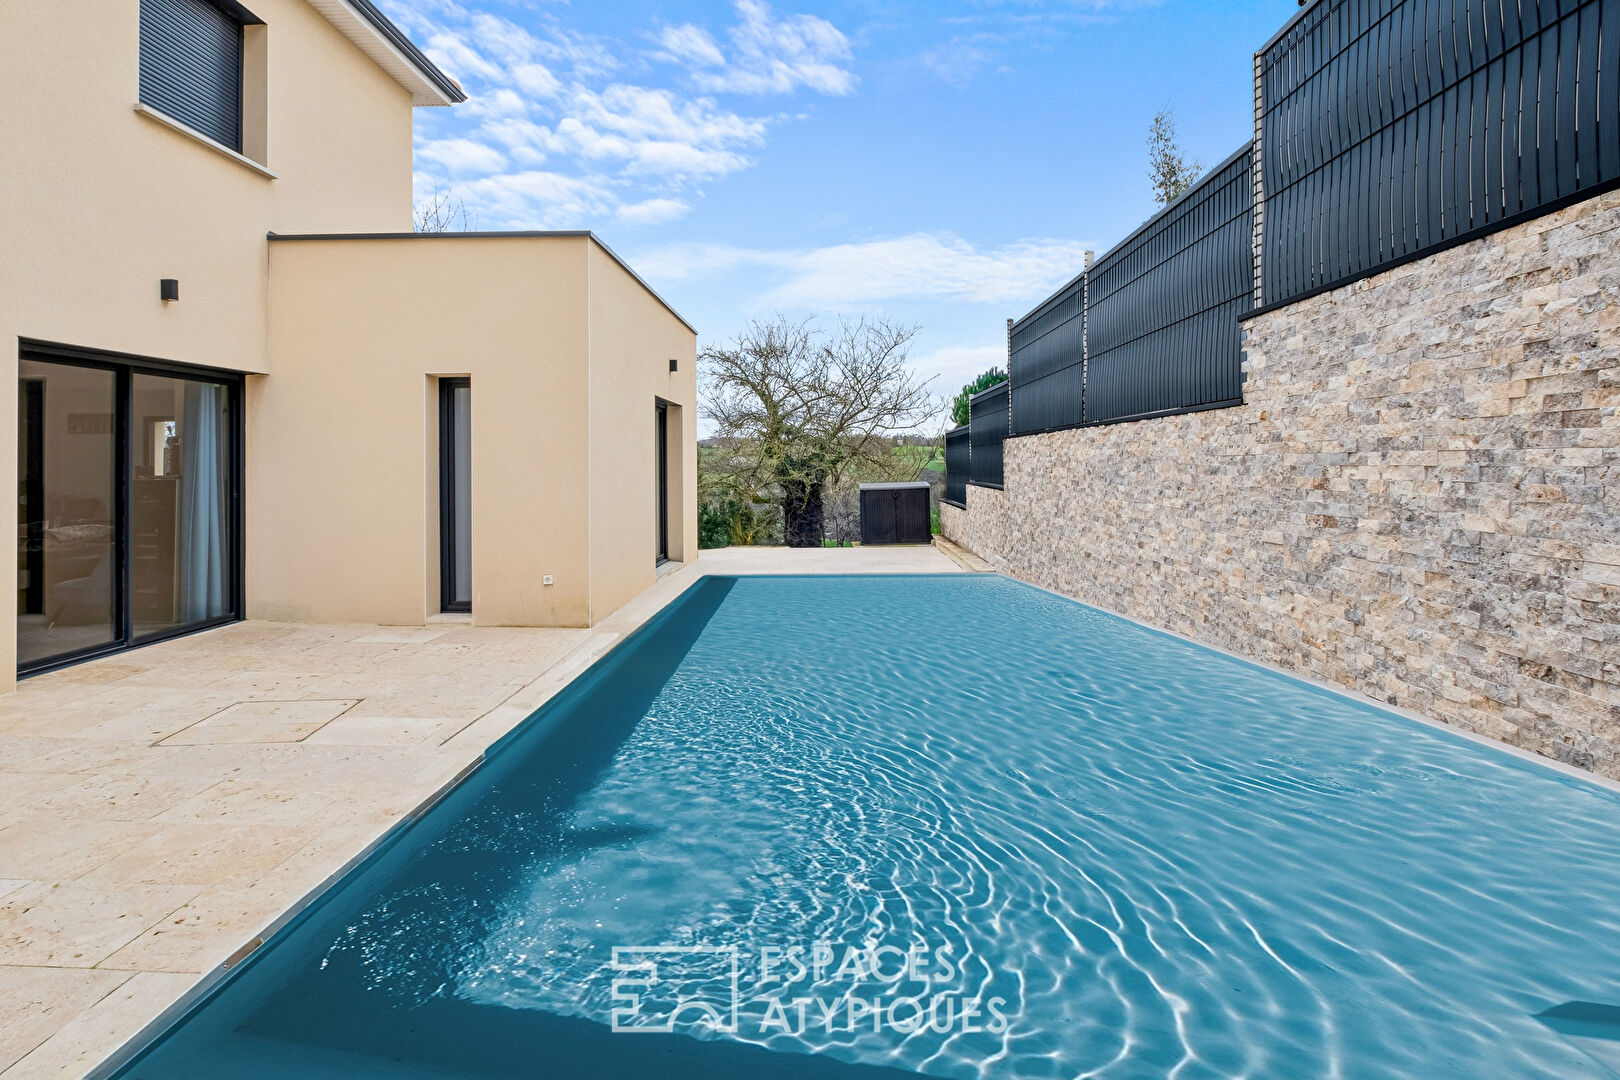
[714, 528]
[959, 407]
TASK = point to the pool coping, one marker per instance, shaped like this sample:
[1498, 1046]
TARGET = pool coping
[212, 981]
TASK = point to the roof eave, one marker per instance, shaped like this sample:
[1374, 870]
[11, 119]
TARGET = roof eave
[374, 34]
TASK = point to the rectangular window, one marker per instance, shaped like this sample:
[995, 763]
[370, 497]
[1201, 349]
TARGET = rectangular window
[191, 65]
[128, 496]
[455, 495]
[661, 464]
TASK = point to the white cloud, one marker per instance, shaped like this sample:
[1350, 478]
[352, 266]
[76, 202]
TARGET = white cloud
[459, 156]
[652, 211]
[657, 134]
[691, 44]
[545, 102]
[958, 365]
[933, 266]
[537, 199]
[768, 55]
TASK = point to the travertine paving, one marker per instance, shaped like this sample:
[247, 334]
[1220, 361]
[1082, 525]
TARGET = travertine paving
[158, 809]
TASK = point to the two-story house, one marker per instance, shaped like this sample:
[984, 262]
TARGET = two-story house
[246, 389]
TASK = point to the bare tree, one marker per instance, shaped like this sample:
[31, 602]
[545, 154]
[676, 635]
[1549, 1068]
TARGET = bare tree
[1172, 174]
[439, 214]
[801, 408]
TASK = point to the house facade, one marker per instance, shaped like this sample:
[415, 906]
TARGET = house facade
[246, 389]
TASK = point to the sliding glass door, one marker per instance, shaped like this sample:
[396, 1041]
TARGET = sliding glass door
[180, 503]
[127, 498]
[67, 511]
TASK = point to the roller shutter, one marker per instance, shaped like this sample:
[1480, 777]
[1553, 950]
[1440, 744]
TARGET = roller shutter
[191, 66]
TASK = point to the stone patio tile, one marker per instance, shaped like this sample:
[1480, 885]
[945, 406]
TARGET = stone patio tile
[104, 1026]
[109, 671]
[463, 707]
[250, 802]
[216, 762]
[115, 797]
[35, 1002]
[265, 685]
[152, 725]
[50, 848]
[313, 864]
[122, 712]
[349, 730]
[10, 885]
[402, 635]
[263, 722]
[377, 804]
[204, 855]
[23, 789]
[203, 932]
[41, 754]
[330, 767]
[80, 923]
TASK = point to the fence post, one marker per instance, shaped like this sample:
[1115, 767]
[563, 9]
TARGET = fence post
[1085, 327]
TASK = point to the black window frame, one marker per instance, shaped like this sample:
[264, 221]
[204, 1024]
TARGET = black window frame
[661, 429]
[448, 495]
[125, 366]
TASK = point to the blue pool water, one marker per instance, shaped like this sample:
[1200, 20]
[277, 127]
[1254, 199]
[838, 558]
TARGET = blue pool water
[1160, 861]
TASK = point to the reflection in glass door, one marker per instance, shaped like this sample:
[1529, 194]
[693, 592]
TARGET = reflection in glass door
[455, 495]
[127, 505]
[67, 511]
[179, 503]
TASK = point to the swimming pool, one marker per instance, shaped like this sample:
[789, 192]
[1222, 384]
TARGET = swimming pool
[955, 826]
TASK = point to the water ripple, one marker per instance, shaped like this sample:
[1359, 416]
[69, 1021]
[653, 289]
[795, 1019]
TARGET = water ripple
[1164, 861]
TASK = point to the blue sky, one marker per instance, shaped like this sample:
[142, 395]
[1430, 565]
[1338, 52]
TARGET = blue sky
[943, 164]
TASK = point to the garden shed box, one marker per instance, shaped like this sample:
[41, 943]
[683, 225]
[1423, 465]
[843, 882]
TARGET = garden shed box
[895, 513]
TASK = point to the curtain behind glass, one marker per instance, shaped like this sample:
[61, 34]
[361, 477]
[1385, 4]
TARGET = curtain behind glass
[204, 556]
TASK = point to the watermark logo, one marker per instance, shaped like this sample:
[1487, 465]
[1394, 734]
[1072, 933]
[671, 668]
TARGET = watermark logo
[795, 990]
[657, 988]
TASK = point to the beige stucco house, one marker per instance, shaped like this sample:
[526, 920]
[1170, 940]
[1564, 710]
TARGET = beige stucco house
[241, 387]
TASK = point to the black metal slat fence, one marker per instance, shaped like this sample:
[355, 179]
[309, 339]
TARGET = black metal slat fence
[1162, 308]
[956, 465]
[1046, 351]
[1390, 128]
[1152, 327]
[987, 430]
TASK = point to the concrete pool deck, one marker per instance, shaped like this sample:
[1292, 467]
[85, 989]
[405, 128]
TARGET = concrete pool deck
[163, 806]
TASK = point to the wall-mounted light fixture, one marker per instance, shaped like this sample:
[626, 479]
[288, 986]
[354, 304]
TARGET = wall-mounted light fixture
[169, 290]
[674, 364]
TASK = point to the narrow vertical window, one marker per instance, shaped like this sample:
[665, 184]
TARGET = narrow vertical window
[455, 494]
[661, 464]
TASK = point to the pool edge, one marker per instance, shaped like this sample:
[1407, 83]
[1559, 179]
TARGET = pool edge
[212, 981]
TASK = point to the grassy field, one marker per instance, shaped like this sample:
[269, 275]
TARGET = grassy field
[922, 457]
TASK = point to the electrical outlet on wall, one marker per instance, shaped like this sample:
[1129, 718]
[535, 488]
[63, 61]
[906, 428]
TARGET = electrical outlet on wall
[547, 580]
